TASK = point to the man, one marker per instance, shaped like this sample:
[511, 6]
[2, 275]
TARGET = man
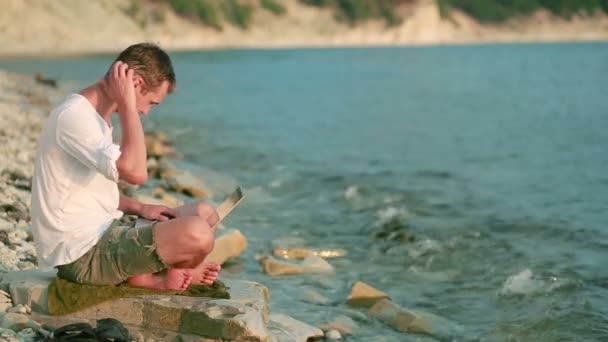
[75, 197]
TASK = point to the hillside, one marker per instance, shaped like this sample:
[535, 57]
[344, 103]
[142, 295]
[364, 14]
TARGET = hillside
[34, 27]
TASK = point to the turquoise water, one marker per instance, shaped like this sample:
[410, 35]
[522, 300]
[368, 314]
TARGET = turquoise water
[492, 157]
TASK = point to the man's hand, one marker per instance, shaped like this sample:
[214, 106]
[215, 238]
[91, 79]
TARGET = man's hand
[157, 212]
[121, 88]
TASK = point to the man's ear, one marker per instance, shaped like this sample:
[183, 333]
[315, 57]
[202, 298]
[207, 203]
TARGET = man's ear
[138, 81]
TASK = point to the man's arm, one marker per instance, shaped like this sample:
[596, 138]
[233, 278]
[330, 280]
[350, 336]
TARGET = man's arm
[148, 211]
[129, 206]
[131, 164]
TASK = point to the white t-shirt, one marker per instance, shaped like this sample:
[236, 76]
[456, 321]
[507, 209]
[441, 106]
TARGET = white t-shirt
[74, 189]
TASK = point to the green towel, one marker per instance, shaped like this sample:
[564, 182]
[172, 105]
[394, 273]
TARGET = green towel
[66, 297]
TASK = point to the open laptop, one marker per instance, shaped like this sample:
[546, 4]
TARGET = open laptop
[227, 205]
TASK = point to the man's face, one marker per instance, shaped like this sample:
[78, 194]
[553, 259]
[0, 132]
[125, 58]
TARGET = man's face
[145, 99]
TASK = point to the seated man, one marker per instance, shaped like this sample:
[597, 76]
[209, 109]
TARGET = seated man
[75, 199]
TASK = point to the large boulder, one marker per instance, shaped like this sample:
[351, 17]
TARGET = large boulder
[227, 246]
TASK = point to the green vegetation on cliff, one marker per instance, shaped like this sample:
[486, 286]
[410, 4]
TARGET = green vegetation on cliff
[500, 10]
[214, 13]
[354, 11]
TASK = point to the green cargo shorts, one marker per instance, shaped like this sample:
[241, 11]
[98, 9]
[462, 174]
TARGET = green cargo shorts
[121, 253]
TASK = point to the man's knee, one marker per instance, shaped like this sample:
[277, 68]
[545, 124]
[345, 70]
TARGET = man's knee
[200, 235]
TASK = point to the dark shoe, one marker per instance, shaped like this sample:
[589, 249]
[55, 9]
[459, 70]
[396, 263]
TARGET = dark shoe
[78, 332]
[111, 330]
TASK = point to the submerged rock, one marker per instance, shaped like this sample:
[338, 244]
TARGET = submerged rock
[294, 248]
[188, 184]
[311, 264]
[364, 295]
[288, 329]
[413, 321]
[343, 324]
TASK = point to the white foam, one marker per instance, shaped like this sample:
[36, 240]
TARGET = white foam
[423, 247]
[276, 183]
[391, 213]
[351, 192]
[522, 283]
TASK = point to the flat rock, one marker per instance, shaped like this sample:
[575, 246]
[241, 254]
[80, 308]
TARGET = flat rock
[244, 316]
[287, 329]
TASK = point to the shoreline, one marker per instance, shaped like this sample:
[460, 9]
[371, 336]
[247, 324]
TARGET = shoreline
[202, 48]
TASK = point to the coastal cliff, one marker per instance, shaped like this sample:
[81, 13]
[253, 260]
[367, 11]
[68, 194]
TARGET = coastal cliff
[62, 27]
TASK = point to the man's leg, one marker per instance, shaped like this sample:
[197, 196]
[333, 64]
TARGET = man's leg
[182, 244]
[206, 272]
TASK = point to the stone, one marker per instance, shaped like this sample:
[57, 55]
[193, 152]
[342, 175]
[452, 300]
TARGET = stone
[343, 324]
[294, 248]
[287, 329]
[364, 295]
[171, 201]
[4, 307]
[28, 288]
[28, 334]
[163, 199]
[311, 264]
[5, 294]
[145, 199]
[229, 245]
[157, 145]
[18, 309]
[314, 297]
[17, 322]
[243, 317]
[188, 184]
[413, 321]
[333, 335]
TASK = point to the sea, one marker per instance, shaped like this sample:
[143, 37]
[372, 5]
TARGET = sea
[469, 183]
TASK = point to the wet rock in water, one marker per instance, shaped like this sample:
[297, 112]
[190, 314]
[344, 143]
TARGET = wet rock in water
[188, 184]
[158, 145]
[288, 329]
[394, 230]
[345, 325]
[364, 295]
[314, 297]
[293, 248]
[311, 264]
[413, 321]
[229, 245]
[333, 335]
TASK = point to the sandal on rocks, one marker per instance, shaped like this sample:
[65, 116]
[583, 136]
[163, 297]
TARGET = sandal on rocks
[78, 332]
[110, 329]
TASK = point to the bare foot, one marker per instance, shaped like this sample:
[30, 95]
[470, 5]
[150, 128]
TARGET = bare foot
[206, 273]
[176, 279]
